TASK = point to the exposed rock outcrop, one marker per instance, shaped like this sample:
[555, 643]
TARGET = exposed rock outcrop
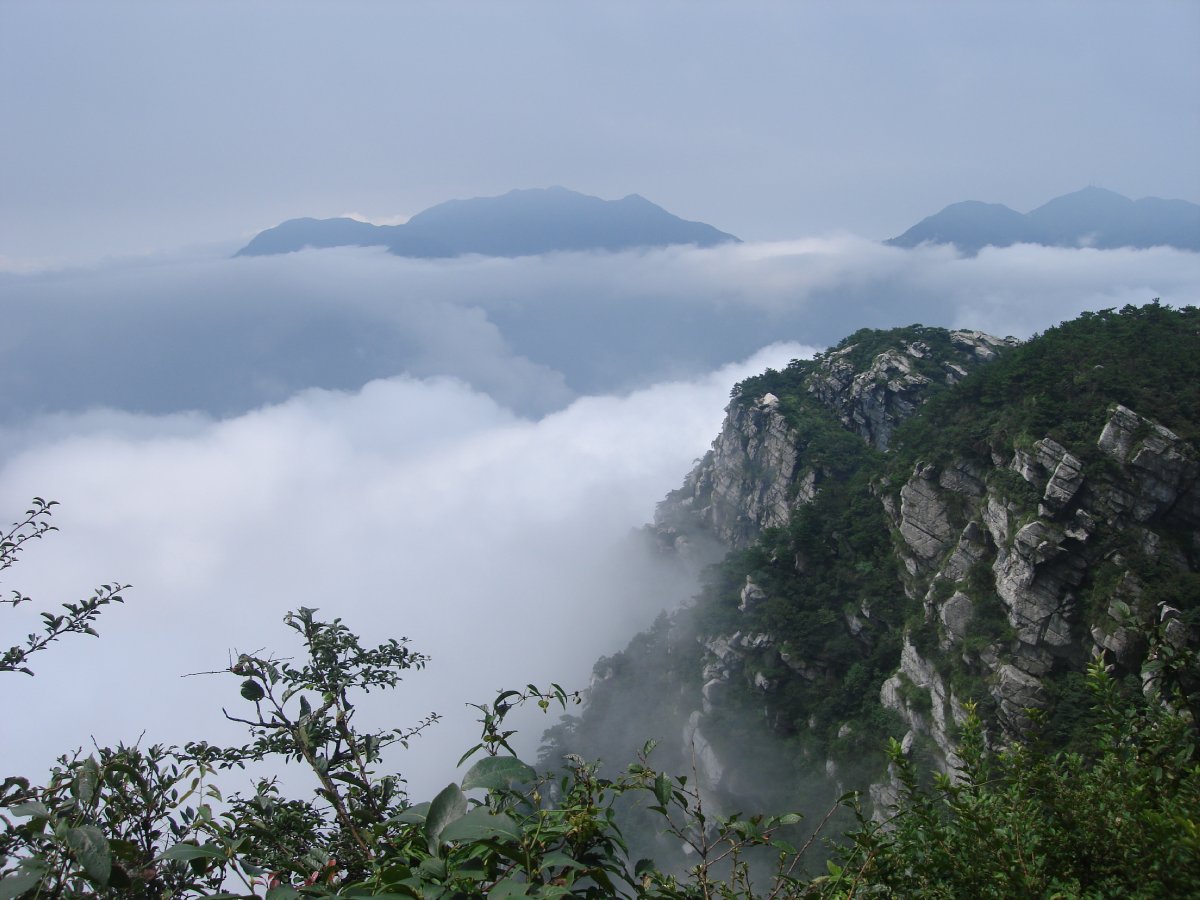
[743, 484]
[709, 767]
[755, 475]
[1001, 575]
[1038, 560]
[873, 401]
[925, 702]
[985, 568]
[1164, 467]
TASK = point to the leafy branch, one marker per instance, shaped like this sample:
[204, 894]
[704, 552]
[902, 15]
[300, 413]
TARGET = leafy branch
[76, 618]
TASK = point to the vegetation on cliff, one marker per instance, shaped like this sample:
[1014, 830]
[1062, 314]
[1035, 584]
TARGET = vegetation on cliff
[953, 570]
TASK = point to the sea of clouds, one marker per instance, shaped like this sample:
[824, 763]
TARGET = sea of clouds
[458, 452]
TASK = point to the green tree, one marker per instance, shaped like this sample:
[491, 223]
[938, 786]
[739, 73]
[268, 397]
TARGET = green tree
[1122, 820]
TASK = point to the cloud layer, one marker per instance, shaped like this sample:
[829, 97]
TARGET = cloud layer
[500, 545]
[225, 336]
[456, 451]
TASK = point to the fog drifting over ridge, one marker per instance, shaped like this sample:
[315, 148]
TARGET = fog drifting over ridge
[498, 427]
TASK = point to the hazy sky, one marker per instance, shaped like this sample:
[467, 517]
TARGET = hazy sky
[132, 127]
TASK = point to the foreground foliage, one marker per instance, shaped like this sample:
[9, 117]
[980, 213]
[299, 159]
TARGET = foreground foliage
[1118, 815]
[1122, 822]
[75, 618]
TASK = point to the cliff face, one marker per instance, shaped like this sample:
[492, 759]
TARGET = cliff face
[757, 471]
[748, 481]
[882, 578]
[1060, 555]
[872, 401]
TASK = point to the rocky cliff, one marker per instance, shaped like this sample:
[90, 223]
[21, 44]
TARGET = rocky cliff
[1059, 559]
[758, 471]
[912, 531]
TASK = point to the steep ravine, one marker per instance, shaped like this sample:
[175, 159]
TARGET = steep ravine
[917, 520]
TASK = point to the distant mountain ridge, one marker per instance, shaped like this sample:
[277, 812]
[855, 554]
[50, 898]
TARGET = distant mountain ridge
[1092, 217]
[519, 223]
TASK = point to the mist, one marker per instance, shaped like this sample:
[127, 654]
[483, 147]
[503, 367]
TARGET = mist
[454, 451]
[225, 336]
[500, 545]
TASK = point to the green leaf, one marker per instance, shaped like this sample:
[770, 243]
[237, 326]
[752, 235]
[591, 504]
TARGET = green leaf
[643, 866]
[126, 850]
[662, 789]
[283, 892]
[90, 848]
[480, 824]
[188, 852]
[508, 888]
[559, 860]
[462, 759]
[252, 690]
[446, 807]
[87, 776]
[32, 808]
[497, 773]
[433, 868]
[15, 885]
[393, 873]
[413, 815]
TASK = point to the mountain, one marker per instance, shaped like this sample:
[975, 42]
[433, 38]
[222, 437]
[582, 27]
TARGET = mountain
[519, 223]
[1092, 217]
[918, 522]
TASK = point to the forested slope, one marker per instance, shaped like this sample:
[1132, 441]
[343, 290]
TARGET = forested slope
[919, 521]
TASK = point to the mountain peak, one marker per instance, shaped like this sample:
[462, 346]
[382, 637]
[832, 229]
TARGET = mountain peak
[522, 222]
[1093, 190]
[1090, 217]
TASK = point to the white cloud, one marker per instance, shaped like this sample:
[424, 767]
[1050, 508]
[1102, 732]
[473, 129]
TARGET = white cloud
[421, 499]
[226, 335]
[499, 544]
